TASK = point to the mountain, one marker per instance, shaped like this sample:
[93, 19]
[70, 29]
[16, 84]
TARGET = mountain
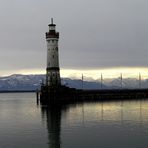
[19, 82]
[129, 83]
[79, 84]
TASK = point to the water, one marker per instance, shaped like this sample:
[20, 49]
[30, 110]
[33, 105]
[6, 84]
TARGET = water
[24, 124]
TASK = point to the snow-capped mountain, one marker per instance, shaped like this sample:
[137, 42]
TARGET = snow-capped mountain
[127, 83]
[19, 82]
[79, 84]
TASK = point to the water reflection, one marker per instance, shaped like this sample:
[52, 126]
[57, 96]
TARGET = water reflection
[53, 115]
[53, 118]
[105, 115]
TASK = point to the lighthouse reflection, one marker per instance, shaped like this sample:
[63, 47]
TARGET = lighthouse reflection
[52, 115]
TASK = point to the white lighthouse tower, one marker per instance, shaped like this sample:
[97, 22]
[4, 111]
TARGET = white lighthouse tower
[53, 70]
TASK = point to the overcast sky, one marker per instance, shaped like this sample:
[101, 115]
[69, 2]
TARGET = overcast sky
[94, 34]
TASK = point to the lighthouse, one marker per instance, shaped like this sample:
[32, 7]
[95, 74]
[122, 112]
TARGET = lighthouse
[52, 70]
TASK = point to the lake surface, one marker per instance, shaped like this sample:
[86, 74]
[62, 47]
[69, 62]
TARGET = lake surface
[24, 124]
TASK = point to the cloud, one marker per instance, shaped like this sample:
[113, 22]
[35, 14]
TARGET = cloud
[93, 34]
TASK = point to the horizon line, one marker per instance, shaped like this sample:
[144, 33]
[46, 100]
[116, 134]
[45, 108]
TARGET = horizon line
[127, 72]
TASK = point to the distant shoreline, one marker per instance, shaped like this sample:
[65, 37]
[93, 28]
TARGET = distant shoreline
[17, 91]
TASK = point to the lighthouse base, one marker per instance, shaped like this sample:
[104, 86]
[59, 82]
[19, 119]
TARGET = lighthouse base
[58, 94]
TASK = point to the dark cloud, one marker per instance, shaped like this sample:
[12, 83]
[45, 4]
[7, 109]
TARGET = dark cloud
[93, 34]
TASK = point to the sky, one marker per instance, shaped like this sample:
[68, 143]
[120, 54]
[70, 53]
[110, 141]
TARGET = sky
[96, 36]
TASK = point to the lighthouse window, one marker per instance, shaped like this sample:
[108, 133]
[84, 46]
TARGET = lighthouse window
[56, 48]
[52, 41]
[53, 56]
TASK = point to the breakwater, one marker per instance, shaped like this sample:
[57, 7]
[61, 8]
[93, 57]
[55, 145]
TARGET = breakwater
[65, 94]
